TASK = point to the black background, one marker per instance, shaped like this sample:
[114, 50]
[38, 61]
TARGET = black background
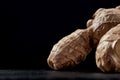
[30, 29]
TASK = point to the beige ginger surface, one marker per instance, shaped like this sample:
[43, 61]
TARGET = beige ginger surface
[108, 51]
[72, 49]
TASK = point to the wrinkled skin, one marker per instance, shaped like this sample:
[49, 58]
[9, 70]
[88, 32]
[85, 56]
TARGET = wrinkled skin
[104, 20]
[70, 50]
[108, 51]
[74, 48]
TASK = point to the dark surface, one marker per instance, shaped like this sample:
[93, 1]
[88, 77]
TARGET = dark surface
[29, 29]
[55, 75]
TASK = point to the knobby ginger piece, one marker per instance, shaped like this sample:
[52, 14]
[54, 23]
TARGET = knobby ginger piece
[74, 48]
[70, 50]
[104, 19]
[108, 51]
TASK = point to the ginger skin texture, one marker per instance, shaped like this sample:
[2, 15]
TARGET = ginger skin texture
[74, 48]
[104, 19]
[70, 50]
[108, 51]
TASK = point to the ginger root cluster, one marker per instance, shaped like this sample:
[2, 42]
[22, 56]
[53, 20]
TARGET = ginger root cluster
[102, 32]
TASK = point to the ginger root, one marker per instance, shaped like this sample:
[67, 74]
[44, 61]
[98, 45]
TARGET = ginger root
[104, 20]
[108, 51]
[74, 48]
[70, 50]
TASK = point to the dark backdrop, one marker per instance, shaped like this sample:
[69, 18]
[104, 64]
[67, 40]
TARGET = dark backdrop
[30, 29]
